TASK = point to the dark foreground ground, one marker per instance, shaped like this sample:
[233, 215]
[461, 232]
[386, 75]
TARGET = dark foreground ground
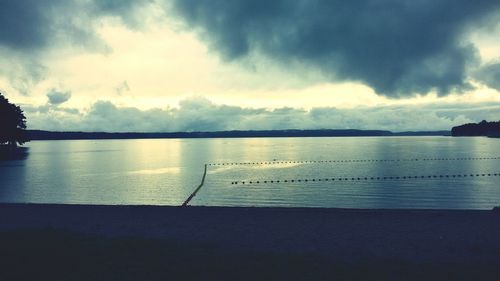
[75, 242]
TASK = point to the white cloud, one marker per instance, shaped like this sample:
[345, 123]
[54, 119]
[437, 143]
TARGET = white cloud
[200, 114]
[122, 88]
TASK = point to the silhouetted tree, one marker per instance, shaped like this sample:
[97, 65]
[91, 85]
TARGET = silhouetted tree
[12, 123]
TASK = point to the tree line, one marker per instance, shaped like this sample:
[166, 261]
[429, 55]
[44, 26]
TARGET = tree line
[483, 128]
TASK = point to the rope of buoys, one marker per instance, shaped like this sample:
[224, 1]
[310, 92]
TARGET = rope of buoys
[366, 178]
[275, 162]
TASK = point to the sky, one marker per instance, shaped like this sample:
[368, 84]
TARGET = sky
[197, 65]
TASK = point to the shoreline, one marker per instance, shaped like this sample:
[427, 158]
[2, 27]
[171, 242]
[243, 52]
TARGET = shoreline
[347, 241]
[76, 135]
[331, 209]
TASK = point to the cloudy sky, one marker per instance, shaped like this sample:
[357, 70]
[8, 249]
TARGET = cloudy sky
[198, 65]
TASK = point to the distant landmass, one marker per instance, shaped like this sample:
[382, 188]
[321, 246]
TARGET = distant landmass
[49, 135]
[483, 128]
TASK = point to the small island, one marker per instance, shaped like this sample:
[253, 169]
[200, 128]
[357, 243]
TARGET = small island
[483, 128]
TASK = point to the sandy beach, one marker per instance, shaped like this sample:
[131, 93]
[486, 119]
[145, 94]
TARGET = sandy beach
[81, 242]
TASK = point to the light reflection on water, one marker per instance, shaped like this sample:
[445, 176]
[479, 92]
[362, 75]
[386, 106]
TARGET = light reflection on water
[166, 171]
[171, 170]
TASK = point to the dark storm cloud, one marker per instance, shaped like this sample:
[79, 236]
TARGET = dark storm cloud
[398, 47]
[123, 9]
[24, 24]
[31, 25]
[58, 97]
[489, 75]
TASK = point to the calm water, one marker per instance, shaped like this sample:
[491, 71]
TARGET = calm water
[420, 172]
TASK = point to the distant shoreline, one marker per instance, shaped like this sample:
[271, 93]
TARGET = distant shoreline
[51, 135]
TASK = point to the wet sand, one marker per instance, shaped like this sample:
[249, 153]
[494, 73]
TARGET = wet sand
[80, 242]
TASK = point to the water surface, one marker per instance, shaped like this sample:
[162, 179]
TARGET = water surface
[420, 172]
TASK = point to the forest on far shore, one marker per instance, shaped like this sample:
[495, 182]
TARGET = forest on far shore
[483, 128]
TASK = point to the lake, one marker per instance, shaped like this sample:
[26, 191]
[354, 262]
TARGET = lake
[346, 172]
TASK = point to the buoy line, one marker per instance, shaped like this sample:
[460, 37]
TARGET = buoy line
[350, 161]
[366, 178]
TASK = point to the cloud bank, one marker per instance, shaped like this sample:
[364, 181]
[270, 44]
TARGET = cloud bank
[199, 114]
[398, 47]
